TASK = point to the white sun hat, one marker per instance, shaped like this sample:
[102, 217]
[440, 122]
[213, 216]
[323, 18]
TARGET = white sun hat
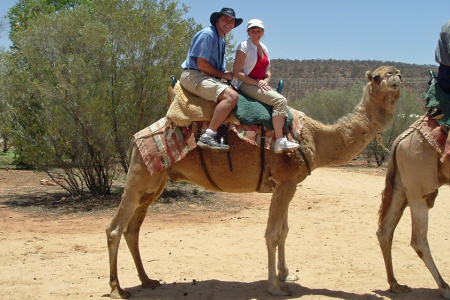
[255, 23]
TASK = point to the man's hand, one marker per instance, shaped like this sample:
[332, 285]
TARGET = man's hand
[206, 67]
[228, 75]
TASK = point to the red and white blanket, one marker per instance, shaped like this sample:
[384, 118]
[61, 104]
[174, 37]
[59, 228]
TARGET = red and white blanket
[433, 134]
[163, 143]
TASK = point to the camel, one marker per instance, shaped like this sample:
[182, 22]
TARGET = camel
[414, 174]
[323, 145]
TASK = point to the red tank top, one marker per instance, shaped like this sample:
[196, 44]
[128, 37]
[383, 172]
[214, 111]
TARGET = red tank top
[259, 70]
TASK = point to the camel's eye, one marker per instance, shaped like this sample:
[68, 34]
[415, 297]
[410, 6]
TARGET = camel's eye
[377, 78]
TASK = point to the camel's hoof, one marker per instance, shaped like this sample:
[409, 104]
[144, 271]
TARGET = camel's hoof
[280, 291]
[150, 284]
[446, 294]
[290, 277]
[119, 294]
[400, 289]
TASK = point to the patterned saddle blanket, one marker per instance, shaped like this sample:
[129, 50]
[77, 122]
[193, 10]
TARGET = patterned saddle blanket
[164, 142]
[433, 134]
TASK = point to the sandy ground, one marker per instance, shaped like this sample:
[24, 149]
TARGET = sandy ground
[202, 253]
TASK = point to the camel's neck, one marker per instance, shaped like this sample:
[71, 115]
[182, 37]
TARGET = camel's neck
[339, 143]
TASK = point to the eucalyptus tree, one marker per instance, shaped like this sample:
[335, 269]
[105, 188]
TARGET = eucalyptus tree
[82, 80]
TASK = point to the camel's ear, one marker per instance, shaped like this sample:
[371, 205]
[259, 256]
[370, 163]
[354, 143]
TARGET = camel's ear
[369, 75]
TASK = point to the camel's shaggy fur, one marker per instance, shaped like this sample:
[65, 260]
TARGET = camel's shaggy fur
[323, 145]
[413, 177]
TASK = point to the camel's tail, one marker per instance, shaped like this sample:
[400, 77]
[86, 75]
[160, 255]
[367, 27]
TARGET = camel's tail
[130, 150]
[386, 195]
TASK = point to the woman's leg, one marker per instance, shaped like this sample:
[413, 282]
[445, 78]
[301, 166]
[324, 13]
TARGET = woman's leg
[278, 124]
[271, 98]
[279, 114]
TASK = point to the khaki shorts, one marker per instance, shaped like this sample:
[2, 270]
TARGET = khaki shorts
[202, 84]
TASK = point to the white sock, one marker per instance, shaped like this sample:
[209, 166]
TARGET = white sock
[280, 139]
[210, 132]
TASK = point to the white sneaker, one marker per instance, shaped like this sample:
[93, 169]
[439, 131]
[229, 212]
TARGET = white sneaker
[285, 145]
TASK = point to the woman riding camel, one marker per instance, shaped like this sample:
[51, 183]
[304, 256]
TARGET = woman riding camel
[252, 74]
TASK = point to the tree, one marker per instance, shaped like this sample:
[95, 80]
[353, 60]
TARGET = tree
[330, 105]
[89, 78]
[25, 10]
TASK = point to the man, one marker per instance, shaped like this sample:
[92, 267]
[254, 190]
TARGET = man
[204, 68]
[442, 56]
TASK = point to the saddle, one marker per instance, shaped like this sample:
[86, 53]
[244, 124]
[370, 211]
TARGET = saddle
[187, 108]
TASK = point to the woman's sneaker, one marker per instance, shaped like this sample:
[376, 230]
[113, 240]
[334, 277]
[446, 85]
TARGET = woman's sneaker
[210, 142]
[285, 145]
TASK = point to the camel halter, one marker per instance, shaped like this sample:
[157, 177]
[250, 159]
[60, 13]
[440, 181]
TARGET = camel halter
[378, 135]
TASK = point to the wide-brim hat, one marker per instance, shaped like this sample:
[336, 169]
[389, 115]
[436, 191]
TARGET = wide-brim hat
[225, 11]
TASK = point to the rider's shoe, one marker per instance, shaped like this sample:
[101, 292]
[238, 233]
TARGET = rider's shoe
[285, 145]
[210, 142]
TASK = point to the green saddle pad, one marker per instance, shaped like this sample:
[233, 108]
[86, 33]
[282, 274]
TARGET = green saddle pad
[437, 97]
[250, 112]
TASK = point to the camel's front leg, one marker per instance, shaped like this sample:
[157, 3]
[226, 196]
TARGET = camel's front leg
[283, 270]
[276, 232]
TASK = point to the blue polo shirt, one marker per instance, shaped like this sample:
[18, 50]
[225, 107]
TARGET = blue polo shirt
[209, 45]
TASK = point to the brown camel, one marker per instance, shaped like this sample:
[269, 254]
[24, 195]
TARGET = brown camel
[413, 177]
[323, 145]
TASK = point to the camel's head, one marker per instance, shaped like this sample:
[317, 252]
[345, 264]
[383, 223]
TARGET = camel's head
[381, 94]
[386, 78]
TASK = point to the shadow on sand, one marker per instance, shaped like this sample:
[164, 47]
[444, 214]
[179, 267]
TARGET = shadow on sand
[226, 290]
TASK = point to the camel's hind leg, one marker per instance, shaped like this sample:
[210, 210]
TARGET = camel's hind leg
[141, 189]
[276, 233]
[131, 235]
[419, 240]
[385, 234]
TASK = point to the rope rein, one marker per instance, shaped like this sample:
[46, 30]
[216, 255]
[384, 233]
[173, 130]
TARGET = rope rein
[378, 135]
[420, 102]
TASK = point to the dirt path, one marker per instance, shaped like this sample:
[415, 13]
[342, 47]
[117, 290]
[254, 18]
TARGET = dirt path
[216, 250]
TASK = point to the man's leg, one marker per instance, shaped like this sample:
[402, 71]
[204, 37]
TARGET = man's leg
[226, 101]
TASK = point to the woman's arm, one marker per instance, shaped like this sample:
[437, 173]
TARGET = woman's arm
[237, 72]
[268, 75]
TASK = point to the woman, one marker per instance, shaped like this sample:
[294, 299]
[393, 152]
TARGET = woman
[252, 75]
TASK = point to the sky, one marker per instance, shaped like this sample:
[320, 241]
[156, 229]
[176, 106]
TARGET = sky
[384, 30]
